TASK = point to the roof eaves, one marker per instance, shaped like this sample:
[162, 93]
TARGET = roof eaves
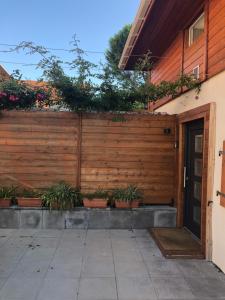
[143, 11]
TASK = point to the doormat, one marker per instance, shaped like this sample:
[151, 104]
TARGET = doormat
[177, 243]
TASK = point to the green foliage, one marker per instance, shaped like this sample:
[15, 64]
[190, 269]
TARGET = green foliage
[116, 46]
[100, 194]
[61, 196]
[7, 192]
[14, 94]
[108, 90]
[28, 193]
[129, 194]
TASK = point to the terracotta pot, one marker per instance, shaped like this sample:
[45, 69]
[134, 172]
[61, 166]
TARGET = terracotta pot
[122, 204]
[95, 203]
[5, 202]
[29, 202]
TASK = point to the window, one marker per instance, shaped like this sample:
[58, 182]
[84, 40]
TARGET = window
[196, 29]
[196, 72]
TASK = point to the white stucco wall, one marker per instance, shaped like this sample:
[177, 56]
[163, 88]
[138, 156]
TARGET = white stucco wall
[211, 91]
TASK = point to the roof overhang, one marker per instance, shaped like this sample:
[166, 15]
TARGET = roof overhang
[156, 25]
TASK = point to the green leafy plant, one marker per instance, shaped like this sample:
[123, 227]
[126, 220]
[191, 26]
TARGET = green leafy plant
[99, 194]
[14, 94]
[61, 196]
[7, 192]
[129, 194]
[114, 89]
[28, 193]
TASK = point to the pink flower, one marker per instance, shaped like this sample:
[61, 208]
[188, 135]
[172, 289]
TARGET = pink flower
[40, 97]
[2, 94]
[13, 98]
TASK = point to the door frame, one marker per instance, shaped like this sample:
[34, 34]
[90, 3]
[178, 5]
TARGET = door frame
[208, 114]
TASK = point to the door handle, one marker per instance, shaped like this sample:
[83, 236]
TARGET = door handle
[185, 170]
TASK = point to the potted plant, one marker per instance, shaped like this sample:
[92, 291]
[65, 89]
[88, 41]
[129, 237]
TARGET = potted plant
[128, 197]
[61, 196]
[6, 195]
[29, 198]
[98, 199]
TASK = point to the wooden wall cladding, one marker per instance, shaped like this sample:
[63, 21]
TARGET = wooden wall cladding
[135, 151]
[222, 198]
[208, 52]
[169, 66]
[38, 149]
[216, 38]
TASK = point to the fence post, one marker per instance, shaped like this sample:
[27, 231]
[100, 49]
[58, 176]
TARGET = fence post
[79, 149]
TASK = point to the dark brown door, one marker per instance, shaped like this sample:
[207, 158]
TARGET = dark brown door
[193, 176]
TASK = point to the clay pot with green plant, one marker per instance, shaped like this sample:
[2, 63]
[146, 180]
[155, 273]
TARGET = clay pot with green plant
[6, 195]
[98, 199]
[29, 198]
[61, 196]
[129, 197]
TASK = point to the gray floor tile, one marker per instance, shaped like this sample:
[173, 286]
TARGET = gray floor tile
[159, 267]
[172, 288]
[97, 289]
[130, 268]
[20, 288]
[65, 270]
[98, 267]
[30, 269]
[46, 242]
[59, 290]
[207, 287]
[134, 288]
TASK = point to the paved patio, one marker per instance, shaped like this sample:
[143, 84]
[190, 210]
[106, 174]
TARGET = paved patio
[98, 265]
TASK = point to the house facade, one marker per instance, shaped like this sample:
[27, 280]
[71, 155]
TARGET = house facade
[188, 37]
[3, 74]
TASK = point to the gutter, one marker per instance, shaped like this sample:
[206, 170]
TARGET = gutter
[138, 24]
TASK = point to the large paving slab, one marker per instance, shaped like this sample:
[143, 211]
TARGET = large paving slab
[42, 264]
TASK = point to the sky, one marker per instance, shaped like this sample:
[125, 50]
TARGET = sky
[52, 23]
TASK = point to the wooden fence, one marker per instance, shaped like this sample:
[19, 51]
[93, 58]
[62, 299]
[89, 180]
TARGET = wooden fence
[90, 150]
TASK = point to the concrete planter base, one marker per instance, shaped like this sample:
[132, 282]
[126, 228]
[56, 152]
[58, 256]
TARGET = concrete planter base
[83, 218]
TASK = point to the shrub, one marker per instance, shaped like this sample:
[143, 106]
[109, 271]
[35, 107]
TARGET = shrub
[61, 196]
[100, 194]
[7, 192]
[129, 194]
[14, 94]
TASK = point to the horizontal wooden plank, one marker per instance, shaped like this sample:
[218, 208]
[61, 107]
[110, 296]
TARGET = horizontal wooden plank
[27, 135]
[126, 130]
[89, 137]
[39, 121]
[15, 163]
[127, 178]
[139, 124]
[126, 158]
[40, 170]
[46, 149]
[38, 142]
[128, 165]
[113, 185]
[40, 114]
[131, 117]
[27, 156]
[42, 184]
[127, 172]
[131, 151]
[127, 144]
[39, 128]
